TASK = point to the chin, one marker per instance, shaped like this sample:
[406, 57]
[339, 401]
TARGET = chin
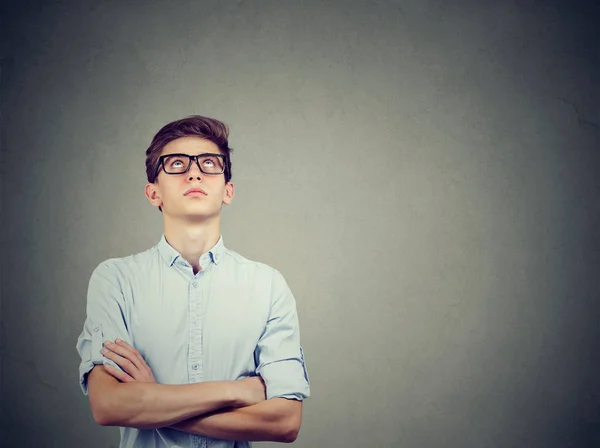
[199, 213]
[191, 213]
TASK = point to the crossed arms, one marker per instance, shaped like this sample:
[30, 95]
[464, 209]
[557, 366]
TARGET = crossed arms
[234, 410]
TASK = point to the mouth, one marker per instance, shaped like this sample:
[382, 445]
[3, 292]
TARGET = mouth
[195, 192]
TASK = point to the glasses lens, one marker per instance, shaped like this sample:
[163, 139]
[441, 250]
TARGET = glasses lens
[176, 164]
[211, 163]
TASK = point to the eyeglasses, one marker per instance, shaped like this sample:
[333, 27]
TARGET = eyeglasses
[181, 163]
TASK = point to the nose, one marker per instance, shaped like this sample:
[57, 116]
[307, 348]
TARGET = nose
[194, 171]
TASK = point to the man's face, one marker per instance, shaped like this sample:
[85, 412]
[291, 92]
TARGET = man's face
[175, 193]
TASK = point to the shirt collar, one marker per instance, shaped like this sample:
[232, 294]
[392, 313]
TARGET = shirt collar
[216, 253]
[170, 255]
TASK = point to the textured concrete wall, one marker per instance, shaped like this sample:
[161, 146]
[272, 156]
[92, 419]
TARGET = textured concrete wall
[3, 57]
[424, 174]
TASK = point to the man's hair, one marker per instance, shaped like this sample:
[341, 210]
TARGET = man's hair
[194, 125]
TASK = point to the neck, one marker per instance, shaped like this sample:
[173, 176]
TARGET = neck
[192, 238]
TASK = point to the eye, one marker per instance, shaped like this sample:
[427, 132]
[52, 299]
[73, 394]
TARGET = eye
[175, 162]
[208, 162]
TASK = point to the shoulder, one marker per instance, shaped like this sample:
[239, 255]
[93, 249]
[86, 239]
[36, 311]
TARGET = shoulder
[234, 258]
[122, 268]
[256, 269]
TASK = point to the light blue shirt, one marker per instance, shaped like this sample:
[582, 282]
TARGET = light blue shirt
[235, 318]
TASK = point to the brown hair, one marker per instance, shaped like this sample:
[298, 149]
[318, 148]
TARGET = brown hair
[194, 125]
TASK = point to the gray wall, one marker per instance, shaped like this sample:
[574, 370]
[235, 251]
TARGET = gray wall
[424, 174]
[1, 239]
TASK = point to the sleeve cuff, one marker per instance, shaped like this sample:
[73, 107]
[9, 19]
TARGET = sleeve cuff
[286, 379]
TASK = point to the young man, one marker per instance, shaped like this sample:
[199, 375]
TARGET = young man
[189, 344]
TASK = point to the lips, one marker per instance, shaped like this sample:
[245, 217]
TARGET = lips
[195, 191]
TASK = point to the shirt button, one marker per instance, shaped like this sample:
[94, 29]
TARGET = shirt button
[195, 367]
[96, 328]
[194, 285]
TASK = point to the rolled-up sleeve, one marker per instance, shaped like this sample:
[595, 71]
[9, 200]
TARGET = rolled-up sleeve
[279, 356]
[105, 320]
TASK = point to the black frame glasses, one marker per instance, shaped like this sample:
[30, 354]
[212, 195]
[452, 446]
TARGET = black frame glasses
[161, 163]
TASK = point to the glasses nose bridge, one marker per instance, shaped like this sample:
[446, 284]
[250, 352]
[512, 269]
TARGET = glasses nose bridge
[194, 160]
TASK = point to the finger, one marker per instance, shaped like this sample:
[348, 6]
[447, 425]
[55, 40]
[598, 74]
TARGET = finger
[130, 349]
[140, 363]
[118, 374]
[126, 353]
[142, 372]
[121, 361]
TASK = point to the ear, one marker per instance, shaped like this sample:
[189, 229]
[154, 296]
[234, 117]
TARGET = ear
[153, 194]
[229, 193]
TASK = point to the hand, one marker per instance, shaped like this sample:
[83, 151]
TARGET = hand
[250, 391]
[130, 360]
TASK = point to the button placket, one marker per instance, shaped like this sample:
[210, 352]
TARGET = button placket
[195, 333]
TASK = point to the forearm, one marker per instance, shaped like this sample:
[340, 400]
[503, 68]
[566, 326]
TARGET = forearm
[151, 405]
[274, 420]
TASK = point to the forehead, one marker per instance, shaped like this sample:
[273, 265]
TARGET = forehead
[191, 145]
